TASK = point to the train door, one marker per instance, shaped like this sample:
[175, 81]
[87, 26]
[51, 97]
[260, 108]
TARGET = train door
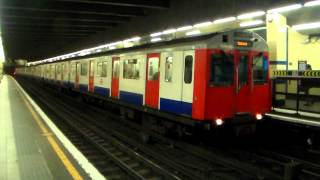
[77, 80]
[187, 82]
[115, 77]
[152, 80]
[242, 85]
[91, 76]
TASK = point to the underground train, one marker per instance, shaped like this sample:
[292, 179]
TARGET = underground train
[211, 81]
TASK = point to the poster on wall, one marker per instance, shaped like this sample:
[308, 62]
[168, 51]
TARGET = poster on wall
[302, 65]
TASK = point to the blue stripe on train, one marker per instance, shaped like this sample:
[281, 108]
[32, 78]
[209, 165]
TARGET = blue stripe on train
[177, 107]
[102, 91]
[132, 98]
[83, 87]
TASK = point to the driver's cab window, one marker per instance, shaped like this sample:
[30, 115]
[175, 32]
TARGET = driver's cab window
[259, 69]
[222, 69]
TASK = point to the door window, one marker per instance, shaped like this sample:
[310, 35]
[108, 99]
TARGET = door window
[131, 69]
[168, 69]
[243, 70]
[116, 67]
[73, 69]
[188, 64]
[91, 68]
[84, 69]
[102, 68]
[222, 71]
[153, 69]
[260, 69]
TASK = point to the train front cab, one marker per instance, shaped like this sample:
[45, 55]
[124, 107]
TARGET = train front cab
[237, 86]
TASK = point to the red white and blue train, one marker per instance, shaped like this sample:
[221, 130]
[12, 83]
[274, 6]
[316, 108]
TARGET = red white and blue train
[206, 81]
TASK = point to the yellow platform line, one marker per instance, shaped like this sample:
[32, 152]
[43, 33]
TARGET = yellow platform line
[62, 156]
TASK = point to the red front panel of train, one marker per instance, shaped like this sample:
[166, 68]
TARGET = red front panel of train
[115, 77]
[229, 83]
[152, 80]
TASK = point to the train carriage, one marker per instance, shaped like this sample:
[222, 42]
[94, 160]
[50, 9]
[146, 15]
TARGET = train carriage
[212, 80]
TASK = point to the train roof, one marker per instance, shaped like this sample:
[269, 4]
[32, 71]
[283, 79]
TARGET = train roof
[235, 39]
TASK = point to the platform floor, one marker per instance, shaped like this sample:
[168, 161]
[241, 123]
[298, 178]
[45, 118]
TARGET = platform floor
[28, 148]
[299, 118]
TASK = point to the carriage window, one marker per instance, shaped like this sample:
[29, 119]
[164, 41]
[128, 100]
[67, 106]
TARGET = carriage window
[104, 69]
[153, 68]
[243, 70]
[99, 68]
[188, 63]
[131, 69]
[260, 69]
[73, 69]
[116, 67]
[168, 69]
[84, 69]
[222, 71]
[58, 69]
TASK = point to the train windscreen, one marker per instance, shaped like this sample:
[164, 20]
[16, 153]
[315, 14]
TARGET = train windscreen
[222, 71]
[260, 69]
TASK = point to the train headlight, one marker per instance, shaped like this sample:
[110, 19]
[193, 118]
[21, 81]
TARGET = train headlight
[219, 122]
[259, 116]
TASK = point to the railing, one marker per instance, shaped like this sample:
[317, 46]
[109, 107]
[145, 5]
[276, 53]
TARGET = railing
[297, 90]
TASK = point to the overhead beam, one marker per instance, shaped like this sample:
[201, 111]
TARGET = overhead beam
[54, 22]
[5, 22]
[158, 4]
[79, 10]
[39, 29]
[50, 26]
[61, 19]
[51, 34]
[44, 14]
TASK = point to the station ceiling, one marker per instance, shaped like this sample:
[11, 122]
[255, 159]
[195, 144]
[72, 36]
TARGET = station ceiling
[38, 24]
[39, 29]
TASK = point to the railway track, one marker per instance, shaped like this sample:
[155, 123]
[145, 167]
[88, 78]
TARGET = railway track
[113, 159]
[186, 160]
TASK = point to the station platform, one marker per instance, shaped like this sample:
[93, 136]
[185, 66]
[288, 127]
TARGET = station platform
[31, 146]
[295, 117]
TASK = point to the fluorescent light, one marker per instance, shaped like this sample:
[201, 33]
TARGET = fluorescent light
[169, 31]
[285, 8]
[306, 26]
[184, 28]
[156, 39]
[203, 24]
[312, 3]
[251, 23]
[134, 39]
[192, 33]
[156, 34]
[224, 20]
[112, 47]
[115, 43]
[251, 15]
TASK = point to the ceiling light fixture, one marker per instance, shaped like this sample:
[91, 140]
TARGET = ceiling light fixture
[285, 8]
[156, 39]
[169, 31]
[156, 34]
[192, 33]
[306, 26]
[251, 23]
[224, 20]
[312, 3]
[184, 28]
[251, 15]
[203, 24]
